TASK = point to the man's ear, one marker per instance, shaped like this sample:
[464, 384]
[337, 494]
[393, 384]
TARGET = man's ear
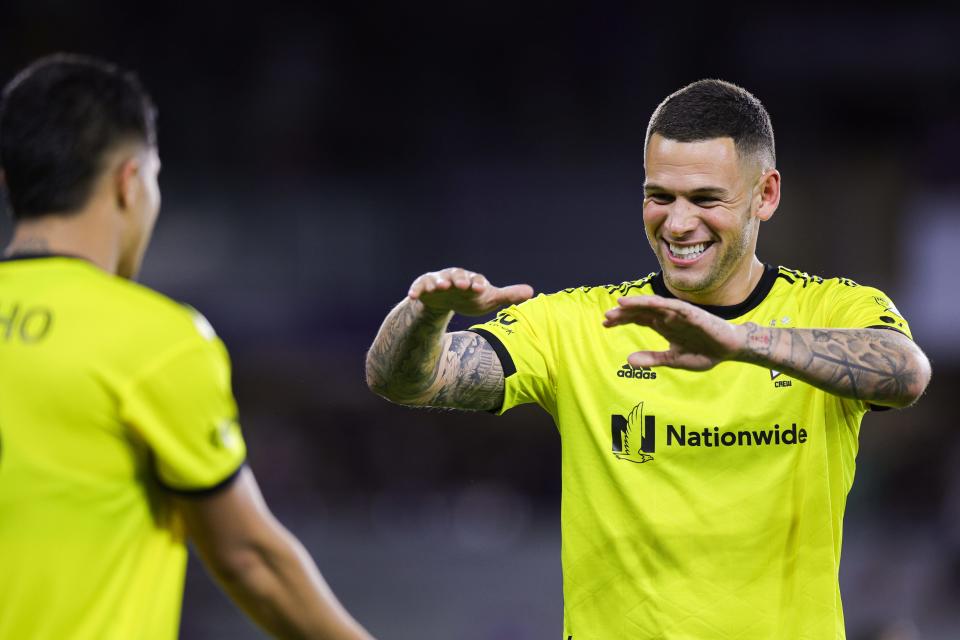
[127, 182]
[767, 198]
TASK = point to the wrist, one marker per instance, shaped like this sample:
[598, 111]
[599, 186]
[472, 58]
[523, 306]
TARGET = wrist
[430, 313]
[755, 341]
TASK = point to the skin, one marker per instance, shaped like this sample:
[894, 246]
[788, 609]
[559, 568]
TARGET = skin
[114, 226]
[260, 564]
[414, 361]
[695, 192]
[703, 192]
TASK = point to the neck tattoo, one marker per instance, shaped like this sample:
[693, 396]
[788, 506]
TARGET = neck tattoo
[27, 245]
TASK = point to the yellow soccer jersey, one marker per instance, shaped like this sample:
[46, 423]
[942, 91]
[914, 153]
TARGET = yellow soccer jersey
[111, 395]
[695, 505]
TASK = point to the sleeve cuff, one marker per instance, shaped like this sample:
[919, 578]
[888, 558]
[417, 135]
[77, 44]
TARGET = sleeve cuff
[204, 491]
[506, 361]
[888, 328]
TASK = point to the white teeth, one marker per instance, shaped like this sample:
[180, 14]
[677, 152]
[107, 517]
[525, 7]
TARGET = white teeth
[689, 251]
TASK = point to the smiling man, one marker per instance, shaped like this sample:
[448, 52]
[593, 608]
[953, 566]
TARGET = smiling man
[709, 413]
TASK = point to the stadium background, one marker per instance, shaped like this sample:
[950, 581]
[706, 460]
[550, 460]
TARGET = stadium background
[318, 158]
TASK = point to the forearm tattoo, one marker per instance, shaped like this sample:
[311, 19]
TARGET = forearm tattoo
[873, 365]
[413, 361]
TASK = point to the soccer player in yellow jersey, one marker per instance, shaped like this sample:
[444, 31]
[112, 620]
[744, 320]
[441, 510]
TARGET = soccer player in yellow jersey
[709, 413]
[119, 437]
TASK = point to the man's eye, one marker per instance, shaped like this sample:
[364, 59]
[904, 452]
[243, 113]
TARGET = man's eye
[703, 201]
[660, 198]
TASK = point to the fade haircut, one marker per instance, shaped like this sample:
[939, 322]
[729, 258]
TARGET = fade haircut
[59, 118]
[708, 109]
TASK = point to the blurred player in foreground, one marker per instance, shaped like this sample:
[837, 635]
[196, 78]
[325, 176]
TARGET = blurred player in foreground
[709, 413]
[118, 428]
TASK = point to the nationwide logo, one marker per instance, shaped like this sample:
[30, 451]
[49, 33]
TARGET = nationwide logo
[708, 437]
[634, 436]
[643, 373]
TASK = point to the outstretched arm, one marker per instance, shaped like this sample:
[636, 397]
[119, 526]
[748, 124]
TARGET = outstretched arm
[263, 568]
[878, 366]
[413, 360]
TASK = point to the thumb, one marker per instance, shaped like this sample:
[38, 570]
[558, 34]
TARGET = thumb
[650, 359]
[515, 293]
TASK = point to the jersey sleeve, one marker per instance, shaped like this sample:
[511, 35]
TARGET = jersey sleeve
[184, 409]
[520, 335]
[860, 307]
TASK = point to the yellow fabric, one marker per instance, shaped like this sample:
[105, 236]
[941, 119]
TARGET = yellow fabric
[108, 390]
[695, 505]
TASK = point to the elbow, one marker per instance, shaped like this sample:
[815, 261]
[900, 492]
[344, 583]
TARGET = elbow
[381, 385]
[915, 380]
[922, 377]
[377, 380]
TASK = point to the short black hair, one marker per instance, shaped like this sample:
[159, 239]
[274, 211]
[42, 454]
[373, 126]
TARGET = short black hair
[708, 109]
[58, 119]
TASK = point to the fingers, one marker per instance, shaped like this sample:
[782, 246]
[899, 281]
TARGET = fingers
[649, 359]
[646, 317]
[465, 291]
[446, 279]
[647, 310]
[515, 293]
[654, 302]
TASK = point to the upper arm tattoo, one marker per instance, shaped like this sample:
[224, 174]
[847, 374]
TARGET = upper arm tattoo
[468, 374]
[413, 362]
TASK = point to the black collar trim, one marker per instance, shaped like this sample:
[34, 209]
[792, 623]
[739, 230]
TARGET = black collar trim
[728, 312]
[36, 256]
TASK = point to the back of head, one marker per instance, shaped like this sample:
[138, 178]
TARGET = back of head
[709, 109]
[59, 118]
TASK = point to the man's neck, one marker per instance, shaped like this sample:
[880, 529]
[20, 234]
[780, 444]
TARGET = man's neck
[29, 245]
[81, 234]
[737, 288]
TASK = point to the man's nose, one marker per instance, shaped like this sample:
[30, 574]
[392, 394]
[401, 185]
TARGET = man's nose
[681, 218]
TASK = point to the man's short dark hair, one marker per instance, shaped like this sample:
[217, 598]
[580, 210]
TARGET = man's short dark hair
[59, 118]
[708, 109]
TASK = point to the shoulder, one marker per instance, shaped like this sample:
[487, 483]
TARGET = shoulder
[143, 317]
[835, 295]
[605, 294]
[800, 280]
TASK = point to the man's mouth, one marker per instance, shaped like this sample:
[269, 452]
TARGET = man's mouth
[686, 253]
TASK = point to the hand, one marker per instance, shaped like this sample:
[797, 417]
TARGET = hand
[465, 292]
[698, 340]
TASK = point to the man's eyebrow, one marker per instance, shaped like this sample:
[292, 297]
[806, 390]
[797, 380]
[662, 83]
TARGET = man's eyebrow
[717, 192]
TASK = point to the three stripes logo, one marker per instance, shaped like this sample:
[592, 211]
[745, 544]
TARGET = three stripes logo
[643, 373]
[634, 436]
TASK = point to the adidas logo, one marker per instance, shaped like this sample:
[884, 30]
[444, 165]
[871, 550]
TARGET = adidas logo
[643, 373]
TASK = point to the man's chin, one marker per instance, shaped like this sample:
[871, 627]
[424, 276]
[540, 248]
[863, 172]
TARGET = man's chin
[683, 279]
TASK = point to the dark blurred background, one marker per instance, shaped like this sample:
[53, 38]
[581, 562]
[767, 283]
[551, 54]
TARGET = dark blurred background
[317, 157]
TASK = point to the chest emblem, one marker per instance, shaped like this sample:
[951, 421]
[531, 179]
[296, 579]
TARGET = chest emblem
[634, 436]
